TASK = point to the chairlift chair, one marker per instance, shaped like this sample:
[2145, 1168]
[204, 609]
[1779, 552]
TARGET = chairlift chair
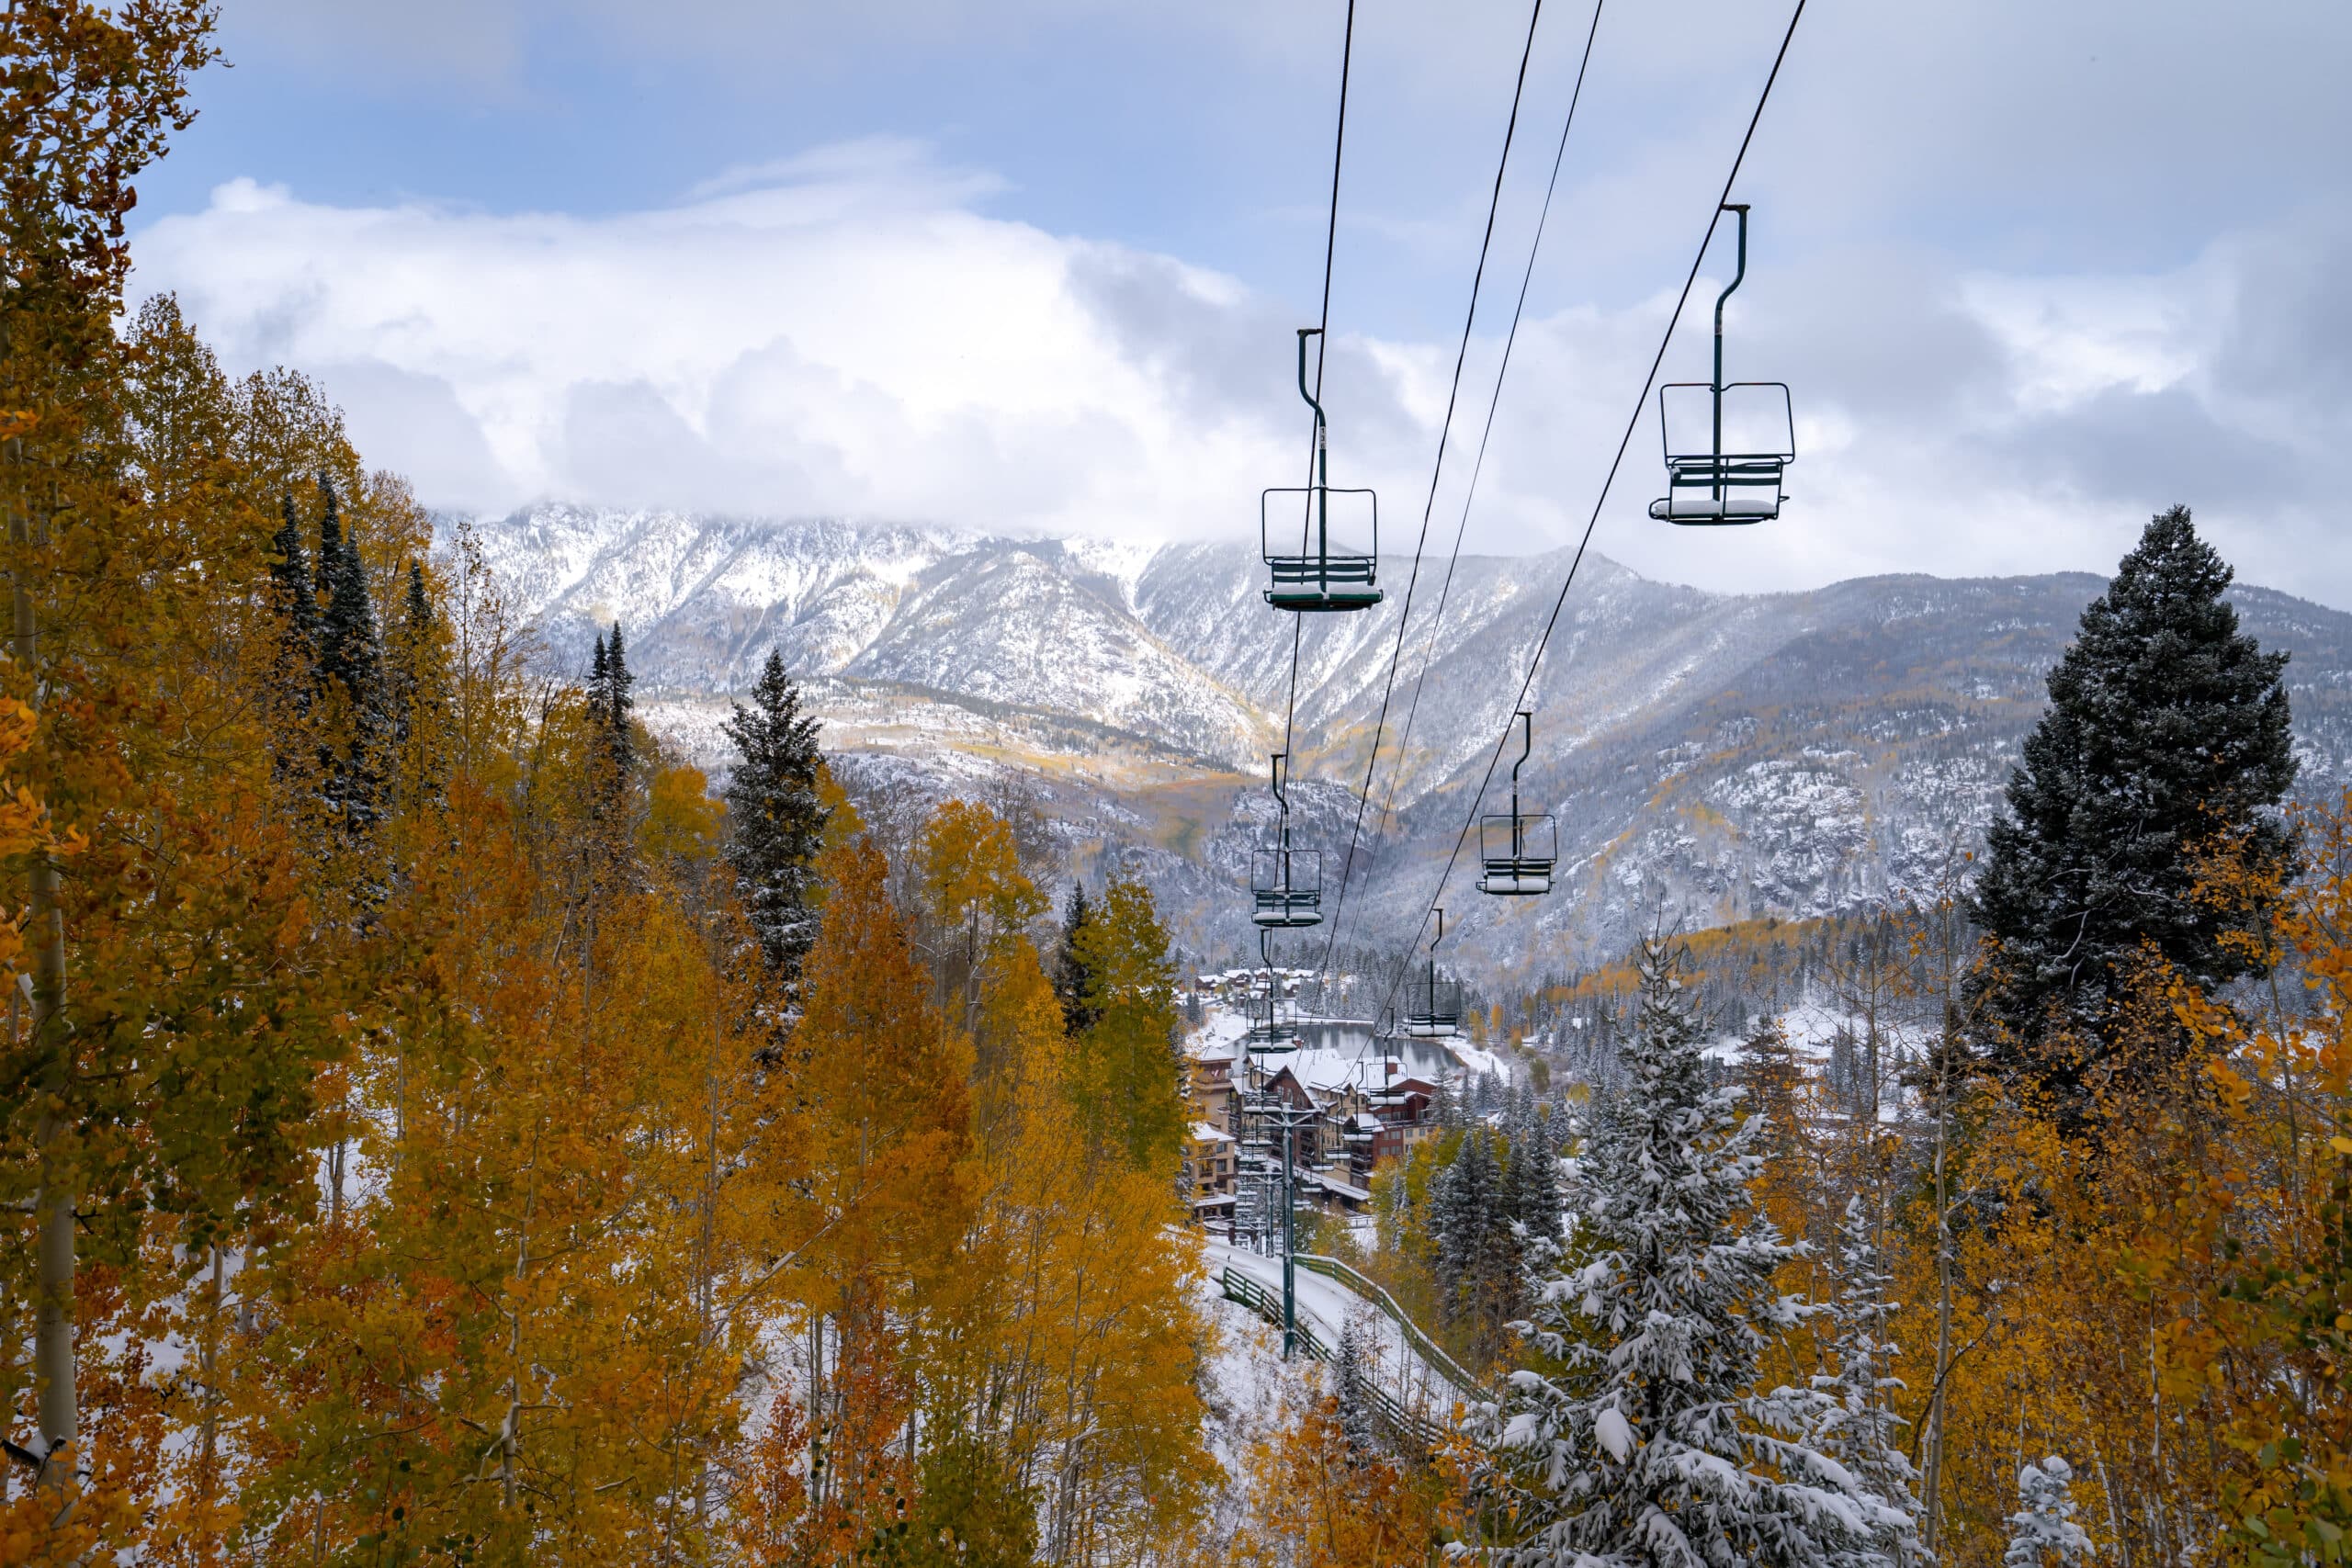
[1439, 1014]
[1273, 1018]
[1710, 486]
[1321, 574]
[1286, 884]
[1518, 851]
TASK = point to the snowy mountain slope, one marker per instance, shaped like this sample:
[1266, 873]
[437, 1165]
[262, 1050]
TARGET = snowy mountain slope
[1708, 755]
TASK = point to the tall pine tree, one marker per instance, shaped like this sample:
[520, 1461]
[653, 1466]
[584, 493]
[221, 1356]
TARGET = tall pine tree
[776, 821]
[350, 670]
[616, 707]
[1652, 1444]
[1070, 973]
[1856, 1423]
[2166, 737]
[297, 603]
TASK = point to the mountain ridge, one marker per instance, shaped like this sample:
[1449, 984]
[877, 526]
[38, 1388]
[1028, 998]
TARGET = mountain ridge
[1710, 756]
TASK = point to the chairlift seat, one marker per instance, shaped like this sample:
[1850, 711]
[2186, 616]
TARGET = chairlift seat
[1286, 889]
[1320, 574]
[1439, 1017]
[1286, 909]
[1515, 878]
[1517, 854]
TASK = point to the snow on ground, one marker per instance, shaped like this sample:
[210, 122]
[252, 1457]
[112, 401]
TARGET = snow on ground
[1326, 1305]
[1479, 1061]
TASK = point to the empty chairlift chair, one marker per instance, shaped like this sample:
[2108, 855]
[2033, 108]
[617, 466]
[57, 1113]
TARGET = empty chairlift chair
[1433, 1010]
[1286, 884]
[1273, 1018]
[1710, 482]
[1517, 851]
[1321, 573]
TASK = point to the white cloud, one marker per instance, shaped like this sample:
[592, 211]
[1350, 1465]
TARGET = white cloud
[853, 340]
[843, 334]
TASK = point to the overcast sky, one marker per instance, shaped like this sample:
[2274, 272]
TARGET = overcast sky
[2031, 270]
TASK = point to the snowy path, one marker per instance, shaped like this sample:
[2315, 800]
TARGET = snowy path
[1325, 1305]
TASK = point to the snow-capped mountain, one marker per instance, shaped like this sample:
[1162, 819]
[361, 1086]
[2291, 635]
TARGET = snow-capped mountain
[1714, 756]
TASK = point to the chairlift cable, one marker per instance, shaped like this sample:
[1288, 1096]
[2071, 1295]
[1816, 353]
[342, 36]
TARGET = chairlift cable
[1640, 403]
[1437, 471]
[1445, 590]
[1323, 324]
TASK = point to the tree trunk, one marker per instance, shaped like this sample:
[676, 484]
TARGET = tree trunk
[53, 1204]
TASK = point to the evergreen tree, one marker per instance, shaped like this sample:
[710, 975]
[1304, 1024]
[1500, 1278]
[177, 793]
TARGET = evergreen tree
[1651, 1445]
[349, 669]
[2044, 1527]
[1069, 972]
[411, 663]
[1358, 1419]
[1126, 1075]
[1856, 1423]
[293, 597]
[1446, 1110]
[1531, 1183]
[1465, 1198]
[294, 677]
[1478, 1257]
[415, 699]
[618, 706]
[2166, 734]
[776, 821]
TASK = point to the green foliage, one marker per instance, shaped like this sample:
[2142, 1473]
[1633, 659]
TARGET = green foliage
[776, 821]
[1069, 972]
[1126, 1078]
[2166, 744]
[973, 1511]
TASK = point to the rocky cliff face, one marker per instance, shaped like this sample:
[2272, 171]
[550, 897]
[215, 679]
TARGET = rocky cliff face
[1709, 756]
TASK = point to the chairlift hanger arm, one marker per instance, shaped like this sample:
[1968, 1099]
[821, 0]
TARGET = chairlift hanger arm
[1322, 456]
[1739, 275]
[1526, 747]
[1740, 209]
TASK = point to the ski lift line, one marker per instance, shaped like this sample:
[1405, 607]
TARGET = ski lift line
[1624, 442]
[1445, 429]
[1323, 324]
[1445, 591]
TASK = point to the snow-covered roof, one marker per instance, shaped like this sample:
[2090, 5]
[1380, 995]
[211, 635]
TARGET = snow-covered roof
[1205, 1134]
[1340, 1188]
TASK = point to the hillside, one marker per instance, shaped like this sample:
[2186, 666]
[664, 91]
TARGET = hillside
[1717, 756]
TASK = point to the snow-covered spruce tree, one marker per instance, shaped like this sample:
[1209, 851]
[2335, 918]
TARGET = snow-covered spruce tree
[1532, 1186]
[775, 822]
[1358, 1420]
[2043, 1532]
[1856, 1423]
[2167, 732]
[1649, 1446]
[1464, 1198]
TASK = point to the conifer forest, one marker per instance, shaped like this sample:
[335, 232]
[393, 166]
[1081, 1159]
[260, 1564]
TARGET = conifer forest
[470, 1096]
